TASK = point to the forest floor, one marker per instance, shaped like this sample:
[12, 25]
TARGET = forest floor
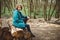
[43, 30]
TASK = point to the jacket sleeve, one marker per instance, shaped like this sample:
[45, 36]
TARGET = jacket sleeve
[22, 16]
[16, 17]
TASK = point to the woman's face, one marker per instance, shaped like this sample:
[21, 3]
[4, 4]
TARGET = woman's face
[19, 8]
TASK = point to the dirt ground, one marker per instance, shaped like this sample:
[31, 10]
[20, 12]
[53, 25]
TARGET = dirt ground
[42, 30]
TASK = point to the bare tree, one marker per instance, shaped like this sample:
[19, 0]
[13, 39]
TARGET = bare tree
[0, 14]
[0, 9]
[45, 10]
[49, 18]
[57, 15]
[31, 7]
[24, 6]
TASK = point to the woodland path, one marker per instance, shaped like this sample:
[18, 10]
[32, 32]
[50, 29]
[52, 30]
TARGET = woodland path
[42, 30]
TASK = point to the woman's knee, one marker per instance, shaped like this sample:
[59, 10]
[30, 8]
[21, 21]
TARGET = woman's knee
[27, 25]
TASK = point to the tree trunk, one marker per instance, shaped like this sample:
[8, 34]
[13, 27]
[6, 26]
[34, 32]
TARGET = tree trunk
[49, 17]
[14, 3]
[31, 9]
[24, 7]
[0, 15]
[0, 9]
[57, 15]
[45, 10]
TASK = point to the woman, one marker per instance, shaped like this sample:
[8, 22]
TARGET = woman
[19, 20]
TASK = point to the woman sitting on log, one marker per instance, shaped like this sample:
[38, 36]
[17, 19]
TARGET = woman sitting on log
[19, 20]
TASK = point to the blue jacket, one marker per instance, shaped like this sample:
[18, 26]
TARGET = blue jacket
[18, 19]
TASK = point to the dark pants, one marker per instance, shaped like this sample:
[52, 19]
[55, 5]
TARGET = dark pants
[28, 28]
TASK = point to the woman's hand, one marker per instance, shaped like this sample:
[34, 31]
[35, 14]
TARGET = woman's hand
[28, 17]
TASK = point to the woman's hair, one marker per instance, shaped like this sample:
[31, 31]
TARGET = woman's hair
[17, 6]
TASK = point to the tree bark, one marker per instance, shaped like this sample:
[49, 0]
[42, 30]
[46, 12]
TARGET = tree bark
[57, 15]
[0, 9]
[45, 10]
[31, 7]
[49, 17]
[0, 15]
